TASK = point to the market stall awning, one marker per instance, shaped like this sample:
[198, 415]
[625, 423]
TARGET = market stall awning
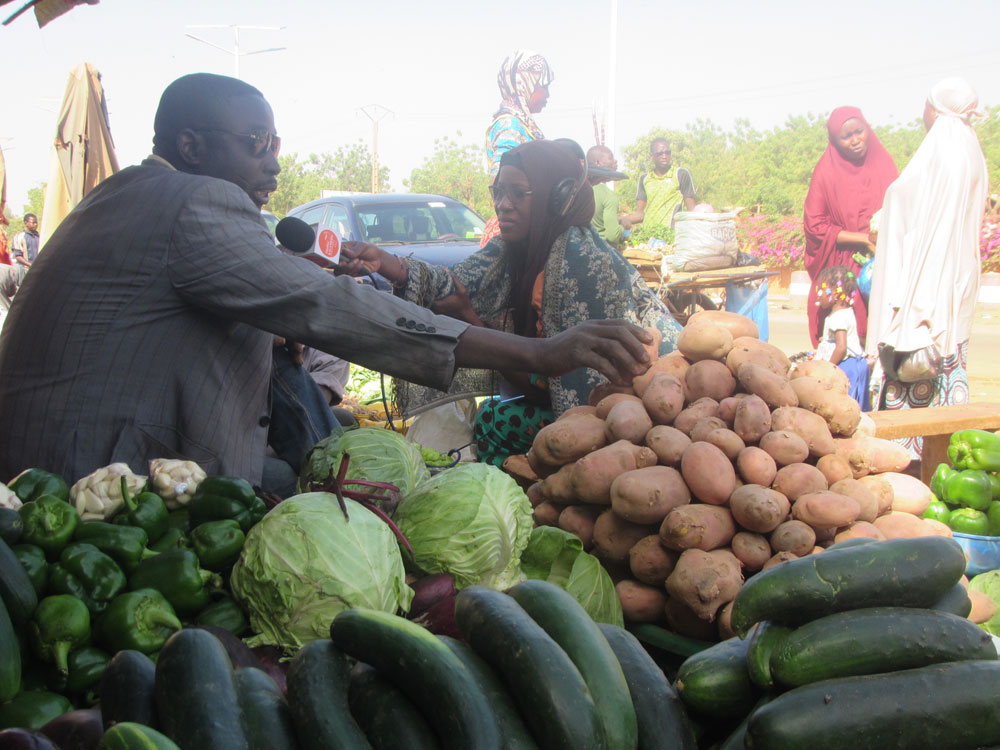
[46, 10]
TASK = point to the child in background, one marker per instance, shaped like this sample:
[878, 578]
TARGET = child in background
[838, 287]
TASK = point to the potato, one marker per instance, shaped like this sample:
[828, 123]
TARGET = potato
[738, 325]
[605, 404]
[602, 391]
[566, 440]
[710, 378]
[825, 372]
[882, 490]
[826, 510]
[866, 426]
[899, 525]
[534, 494]
[705, 581]
[628, 420]
[936, 528]
[593, 474]
[646, 495]
[579, 520]
[760, 381]
[983, 607]
[709, 474]
[785, 447]
[834, 467]
[673, 363]
[641, 602]
[702, 428]
[651, 562]
[727, 408]
[547, 514]
[858, 529]
[809, 426]
[704, 341]
[653, 347]
[576, 411]
[726, 441]
[538, 466]
[793, 536]
[663, 398]
[752, 420]
[867, 500]
[683, 621]
[909, 494]
[558, 487]
[757, 508]
[752, 550]
[842, 413]
[668, 443]
[614, 536]
[724, 621]
[756, 466]
[694, 413]
[750, 350]
[706, 527]
[779, 558]
[796, 480]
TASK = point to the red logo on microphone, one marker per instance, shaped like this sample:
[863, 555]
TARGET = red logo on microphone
[328, 243]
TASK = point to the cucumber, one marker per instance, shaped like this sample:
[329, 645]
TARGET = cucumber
[956, 600]
[10, 658]
[569, 625]
[195, 693]
[662, 722]
[513, 731]
[716, 682]
[737, 738]
[880, 639]
[10, 526]
[128, 690]
[317, 683]
[16, 590]
[762, 642]
[894, 573]
[265, 711]
[426, 670]
[132, 736]
[389, 719]
[941, 706]
[547, 687]
[669, 641]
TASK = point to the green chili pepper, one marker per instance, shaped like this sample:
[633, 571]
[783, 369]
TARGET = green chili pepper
[224, 613]
[48, 523]
[970, 488]
[219, 498]
[87, 573]
[33, 709]
[86, 665]
[171, 539]
[938, 479]
[140, 620]
[32, 484]
[126, 545]
[59, 624]
[33, 561]
[176, 574]
[217, 543]
[145, 511]
[974, 449]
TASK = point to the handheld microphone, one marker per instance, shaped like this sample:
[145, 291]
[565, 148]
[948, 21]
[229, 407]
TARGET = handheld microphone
[322, 247]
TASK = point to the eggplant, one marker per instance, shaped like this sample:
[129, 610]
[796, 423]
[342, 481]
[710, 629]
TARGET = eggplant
[76, 730]
[25, 739]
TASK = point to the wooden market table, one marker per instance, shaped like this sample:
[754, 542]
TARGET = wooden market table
[935, 425]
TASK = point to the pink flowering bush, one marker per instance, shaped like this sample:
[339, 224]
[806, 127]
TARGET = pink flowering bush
[778, 241]
[989, 246]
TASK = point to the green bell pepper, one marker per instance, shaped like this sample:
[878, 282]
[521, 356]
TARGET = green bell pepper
[33, 561]
[32, 484]
[33, 709]
[126, 545]
[58, 625]
[49, 523]
[87, 573]
[970, 488]
[139, 620]
[993, 516]
[941, 475]
[171, 539]
[86, 665]
[132, 734]
[994, 484]
[179, 519]
[938, 511]
[217, 543]
[177, 575]
[224, 613]
[974, 449]
[220, 498]
[969, 521]
[145, 511]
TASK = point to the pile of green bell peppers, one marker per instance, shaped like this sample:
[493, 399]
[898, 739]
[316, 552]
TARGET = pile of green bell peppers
[967, 489]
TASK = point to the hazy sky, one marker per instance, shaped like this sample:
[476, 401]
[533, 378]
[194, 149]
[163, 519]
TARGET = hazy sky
[433, 66]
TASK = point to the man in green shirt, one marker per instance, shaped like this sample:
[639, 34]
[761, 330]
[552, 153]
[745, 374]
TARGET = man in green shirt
[601, 168]
[664, 191]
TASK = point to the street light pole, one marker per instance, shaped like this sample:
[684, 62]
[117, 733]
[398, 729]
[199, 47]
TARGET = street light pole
[375, 112]
[235, 51]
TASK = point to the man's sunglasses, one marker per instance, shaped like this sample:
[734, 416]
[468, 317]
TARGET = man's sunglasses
[261, 141]
[515, 193]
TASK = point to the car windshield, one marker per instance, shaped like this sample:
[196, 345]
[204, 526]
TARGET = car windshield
[419, 221]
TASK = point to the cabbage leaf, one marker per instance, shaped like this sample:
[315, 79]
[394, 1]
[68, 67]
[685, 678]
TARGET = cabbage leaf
[989, 583]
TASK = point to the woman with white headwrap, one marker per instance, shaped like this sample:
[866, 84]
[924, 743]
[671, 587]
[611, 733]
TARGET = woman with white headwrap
[926, 274]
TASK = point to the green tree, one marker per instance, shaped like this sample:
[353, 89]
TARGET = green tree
[456, 170]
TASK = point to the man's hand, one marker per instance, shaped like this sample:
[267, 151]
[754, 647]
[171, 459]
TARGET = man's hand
[359, 258]
[615, 348]
[294, 349]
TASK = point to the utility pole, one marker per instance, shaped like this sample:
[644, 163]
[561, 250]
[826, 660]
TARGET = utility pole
[235, 51]
[612, 76]
[375, 113]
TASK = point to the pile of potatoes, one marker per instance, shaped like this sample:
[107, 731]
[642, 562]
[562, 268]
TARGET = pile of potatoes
[720, 461]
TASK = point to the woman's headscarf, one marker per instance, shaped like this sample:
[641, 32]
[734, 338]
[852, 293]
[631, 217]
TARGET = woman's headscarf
[521, 73]
[954, 97]
[546, 164]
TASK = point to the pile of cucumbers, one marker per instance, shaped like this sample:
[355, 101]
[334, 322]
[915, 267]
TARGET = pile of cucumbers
[864, 646]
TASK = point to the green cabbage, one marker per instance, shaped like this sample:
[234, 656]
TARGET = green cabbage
[471, 522]
[989, 583]
[377, 455]
[305, 562]
[557, 556]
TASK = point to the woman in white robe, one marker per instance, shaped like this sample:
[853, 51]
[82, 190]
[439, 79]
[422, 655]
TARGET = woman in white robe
[926, 274]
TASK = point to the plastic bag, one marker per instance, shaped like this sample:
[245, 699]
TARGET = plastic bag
[911, 367]
[446, 427]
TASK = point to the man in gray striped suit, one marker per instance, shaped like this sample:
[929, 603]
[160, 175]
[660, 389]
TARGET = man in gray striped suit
[144, 329]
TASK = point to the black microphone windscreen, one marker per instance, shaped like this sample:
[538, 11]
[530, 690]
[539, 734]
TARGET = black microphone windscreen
[295, 234]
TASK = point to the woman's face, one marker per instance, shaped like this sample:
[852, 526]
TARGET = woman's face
[513, 203]
[852, 140]
[538, 99]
